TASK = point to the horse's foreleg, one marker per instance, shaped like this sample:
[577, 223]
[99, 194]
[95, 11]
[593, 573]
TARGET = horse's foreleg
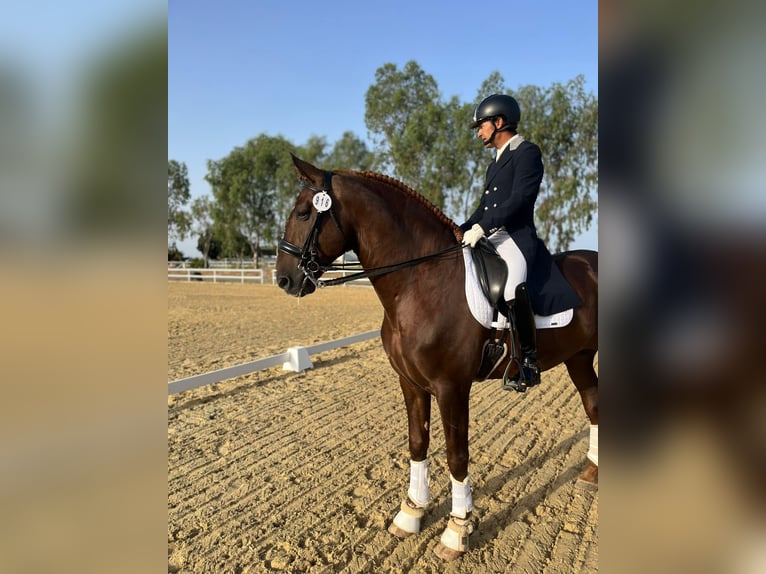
[584, 376]
[418, 403]
[453, 405]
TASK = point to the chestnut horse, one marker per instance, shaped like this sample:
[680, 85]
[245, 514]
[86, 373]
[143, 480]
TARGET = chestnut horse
[412, 253]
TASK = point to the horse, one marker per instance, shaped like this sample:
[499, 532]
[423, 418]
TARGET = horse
[412, 254]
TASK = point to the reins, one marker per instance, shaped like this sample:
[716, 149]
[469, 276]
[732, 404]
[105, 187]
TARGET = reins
[376, 271]
[308, 254]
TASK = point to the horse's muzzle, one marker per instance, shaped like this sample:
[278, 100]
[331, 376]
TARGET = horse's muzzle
[284, 282]
[295, 288]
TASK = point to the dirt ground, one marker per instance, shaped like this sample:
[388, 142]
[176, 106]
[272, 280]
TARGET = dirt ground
[303, 472]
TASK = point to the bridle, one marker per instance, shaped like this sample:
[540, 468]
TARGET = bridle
[308, 255]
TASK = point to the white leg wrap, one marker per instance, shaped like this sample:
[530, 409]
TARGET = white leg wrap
[462, 500]
[408, 518]
[419, 491]
[455, 536]
[593, 449]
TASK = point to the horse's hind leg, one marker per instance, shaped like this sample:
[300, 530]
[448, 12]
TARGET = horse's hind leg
[418, 403]
[584, 376]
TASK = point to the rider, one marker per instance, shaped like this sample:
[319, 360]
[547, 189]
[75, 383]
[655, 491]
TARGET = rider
[505, 213]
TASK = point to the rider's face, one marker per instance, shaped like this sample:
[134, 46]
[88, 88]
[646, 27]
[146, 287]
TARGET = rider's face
[484, 133]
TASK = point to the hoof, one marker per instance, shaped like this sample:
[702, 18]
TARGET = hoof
[588, 478]
[407, 521]
[454, 541]
[586, 485]
[398, 532]
[447, 554]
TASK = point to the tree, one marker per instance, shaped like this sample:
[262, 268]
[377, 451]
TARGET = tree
[463, 163]
[314, 150]
[249, 186]
[202, 224]
[563, 120]
[405, 117]
[174, 254]
[179, 193]
[211, 247]
[238, 247]
[470, 153]
[350, 152]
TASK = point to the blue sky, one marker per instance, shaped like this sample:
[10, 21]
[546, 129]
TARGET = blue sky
[241, 68]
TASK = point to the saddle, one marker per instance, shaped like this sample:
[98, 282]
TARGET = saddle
[492, 273]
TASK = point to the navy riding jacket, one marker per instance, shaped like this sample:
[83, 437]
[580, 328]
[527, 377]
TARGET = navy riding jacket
[508, 201]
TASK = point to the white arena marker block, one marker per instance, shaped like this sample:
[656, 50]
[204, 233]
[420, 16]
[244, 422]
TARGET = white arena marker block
[298, 360]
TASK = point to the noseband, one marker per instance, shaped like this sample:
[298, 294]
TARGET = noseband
[308, 255]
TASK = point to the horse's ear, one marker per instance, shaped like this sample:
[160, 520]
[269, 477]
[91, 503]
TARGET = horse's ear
[307, 172]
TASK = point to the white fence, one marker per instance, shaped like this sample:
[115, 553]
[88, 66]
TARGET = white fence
[217, 275]
[246, 276]
[294, 359]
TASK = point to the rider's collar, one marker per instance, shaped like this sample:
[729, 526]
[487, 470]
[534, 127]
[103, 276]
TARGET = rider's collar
[512, 143]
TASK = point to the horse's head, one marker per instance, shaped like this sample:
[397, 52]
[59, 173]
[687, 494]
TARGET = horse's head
[313, 236]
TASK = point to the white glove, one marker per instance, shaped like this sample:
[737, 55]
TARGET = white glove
[472, 236]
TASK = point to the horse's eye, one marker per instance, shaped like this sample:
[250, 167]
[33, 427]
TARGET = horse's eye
[303, 215]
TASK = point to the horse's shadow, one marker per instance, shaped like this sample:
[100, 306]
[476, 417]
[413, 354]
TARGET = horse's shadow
[490, 524]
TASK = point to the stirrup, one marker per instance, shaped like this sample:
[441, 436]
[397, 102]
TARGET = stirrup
[528, 375]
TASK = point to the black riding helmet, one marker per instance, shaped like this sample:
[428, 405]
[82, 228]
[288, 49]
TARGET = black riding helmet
[497, 105]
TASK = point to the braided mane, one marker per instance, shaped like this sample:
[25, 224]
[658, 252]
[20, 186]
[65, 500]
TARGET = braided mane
[408, 191]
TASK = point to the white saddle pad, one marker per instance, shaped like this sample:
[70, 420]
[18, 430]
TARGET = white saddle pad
[482, 311]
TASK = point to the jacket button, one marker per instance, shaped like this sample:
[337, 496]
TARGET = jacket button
[486, 208]
[494, 189]
[486, 192]
[494, 205]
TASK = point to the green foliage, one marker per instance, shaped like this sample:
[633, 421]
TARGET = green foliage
[427, 144]
[250, 188]
[350, 152]
[314, 150]
[405, 118]
[179, 220]
[563, 120]
[210, 248]
[470, 153]
[417, 137]
[238, 248]
[202, 225]
[174, 254]
[466, 163]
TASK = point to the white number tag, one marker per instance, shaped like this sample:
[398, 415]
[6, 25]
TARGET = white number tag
[322, 201]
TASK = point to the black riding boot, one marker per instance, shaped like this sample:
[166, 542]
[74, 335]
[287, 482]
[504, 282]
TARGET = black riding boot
[525, 327]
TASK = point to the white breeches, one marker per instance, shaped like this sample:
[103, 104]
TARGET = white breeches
[514, 259]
